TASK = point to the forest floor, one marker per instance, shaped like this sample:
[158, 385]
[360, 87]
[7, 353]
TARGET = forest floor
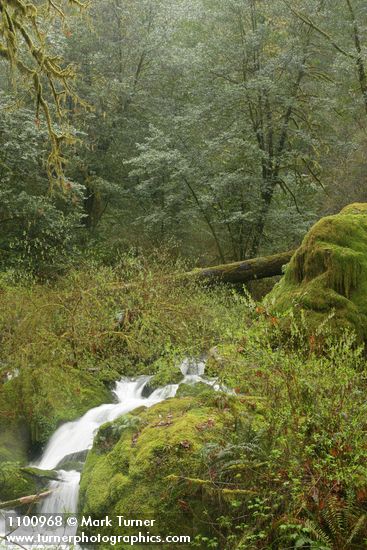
[286, 465]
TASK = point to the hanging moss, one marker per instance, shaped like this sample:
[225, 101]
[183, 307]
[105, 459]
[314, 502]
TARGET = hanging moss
[25, 22]
[329, 272]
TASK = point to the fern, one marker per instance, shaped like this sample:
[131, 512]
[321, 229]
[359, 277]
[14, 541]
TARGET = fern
[318, 533]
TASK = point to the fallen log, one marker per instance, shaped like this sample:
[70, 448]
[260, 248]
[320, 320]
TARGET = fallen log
[22, 501]
[247, 270]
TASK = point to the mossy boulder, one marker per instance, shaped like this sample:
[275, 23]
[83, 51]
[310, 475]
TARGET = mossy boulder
[194, 390]
[38, 400]
[151, 465]
[15, 483]
[328, 273]
[165, 373]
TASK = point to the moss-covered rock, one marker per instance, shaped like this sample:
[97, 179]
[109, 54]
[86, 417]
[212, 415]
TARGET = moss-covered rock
[39, 474]
[15, 483]
[166, 372]
[38, 400]
[194, 390]
[329, 272]
[152, 465]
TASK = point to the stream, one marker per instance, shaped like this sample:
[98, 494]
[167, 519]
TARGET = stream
[72, 440]
[74, 437]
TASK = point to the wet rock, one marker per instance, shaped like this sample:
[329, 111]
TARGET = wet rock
[74, 461]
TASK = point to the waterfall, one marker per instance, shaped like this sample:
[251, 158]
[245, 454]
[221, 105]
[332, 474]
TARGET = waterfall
[64, 495]
[72, 438]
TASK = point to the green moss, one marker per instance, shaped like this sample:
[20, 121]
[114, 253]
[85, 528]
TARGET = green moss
[355, 208]
[15, 483]
[39, 474]
[110, 432]
[329, 272]
[65, 345]
[14, 441]
[166, 372]
[194, 390]
[163, 378]
[143, 474]
[41, 398]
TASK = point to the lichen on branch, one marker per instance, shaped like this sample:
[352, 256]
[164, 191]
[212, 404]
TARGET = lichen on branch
[25, 46]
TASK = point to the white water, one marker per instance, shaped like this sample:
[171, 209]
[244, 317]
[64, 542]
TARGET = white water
[75, 437]
[78, 436]
[65, 494]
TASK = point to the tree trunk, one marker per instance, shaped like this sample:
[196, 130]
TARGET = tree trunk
[258, 230]
[242, 272]
[359, 59]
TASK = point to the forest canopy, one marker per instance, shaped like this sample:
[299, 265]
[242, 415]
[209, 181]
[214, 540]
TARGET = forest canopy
[221, 129]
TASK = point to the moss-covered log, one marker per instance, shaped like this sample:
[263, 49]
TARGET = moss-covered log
[248, 270]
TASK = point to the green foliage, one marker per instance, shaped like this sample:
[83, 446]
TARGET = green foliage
[225, 147]
[37, 63]
[64, 344]
[298, 447]
[216, 127]
[219, 160]
[14, 483]
[186, 149]
[290, 471]
[39, 232]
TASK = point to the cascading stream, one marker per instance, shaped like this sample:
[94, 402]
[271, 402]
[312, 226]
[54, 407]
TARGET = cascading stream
[75, 437]
[71, 439]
